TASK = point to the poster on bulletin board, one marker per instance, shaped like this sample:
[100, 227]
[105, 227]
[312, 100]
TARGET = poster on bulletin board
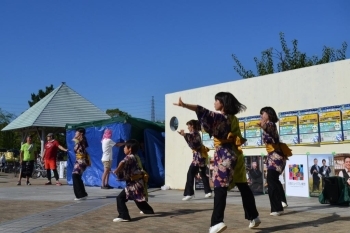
[207, 140]
[253, 132]
[308, 127]
[296, 176]
[331, 125]
[288, 127]
[242, 127]
[346, 122]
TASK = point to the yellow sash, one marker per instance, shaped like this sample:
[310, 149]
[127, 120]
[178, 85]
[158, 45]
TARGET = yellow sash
[203, 150]
[286, 151]
[86, 157]
[236, 141]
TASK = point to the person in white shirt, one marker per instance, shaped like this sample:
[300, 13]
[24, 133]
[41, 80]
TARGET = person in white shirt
[346, 172]
[107, 157]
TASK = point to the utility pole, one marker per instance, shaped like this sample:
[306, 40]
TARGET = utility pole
[153, 111]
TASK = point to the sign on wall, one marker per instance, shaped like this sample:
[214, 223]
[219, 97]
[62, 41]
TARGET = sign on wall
[308, 126]
[253, 132]
[296, 176]
[288, 127]
[207, 140]
[331, 124]
[319, 168]
[346, 122]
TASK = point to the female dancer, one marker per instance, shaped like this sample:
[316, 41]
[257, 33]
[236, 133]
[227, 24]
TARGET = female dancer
[200, 155]
[81, 162]
[220, 125]
[276, 160]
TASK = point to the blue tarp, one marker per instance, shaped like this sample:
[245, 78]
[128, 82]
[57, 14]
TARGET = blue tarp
[152, 157]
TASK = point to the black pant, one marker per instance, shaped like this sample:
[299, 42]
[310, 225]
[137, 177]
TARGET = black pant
[275, 190]
[78, 186]
[123, 210]
[55, 173]
[248, 200]
[220, 195]
[316, 184]
[192, 172]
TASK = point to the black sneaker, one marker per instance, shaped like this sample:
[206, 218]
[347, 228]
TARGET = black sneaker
[104, 187]
[109, 187]
[28, 183]
[19, 183]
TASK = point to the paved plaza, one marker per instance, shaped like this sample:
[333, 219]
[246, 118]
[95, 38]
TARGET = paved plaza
[40, 208]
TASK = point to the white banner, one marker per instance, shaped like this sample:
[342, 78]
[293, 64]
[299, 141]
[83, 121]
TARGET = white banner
[296, 176]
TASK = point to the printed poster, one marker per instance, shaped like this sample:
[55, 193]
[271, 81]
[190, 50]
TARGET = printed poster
[288, 128]
[253, 132]
[255, 173]
[242, 127]
[319, 168]
[296, 176]
[308, 127]
[346, 122]
[331, 125]
[207, 140]
[341, 162]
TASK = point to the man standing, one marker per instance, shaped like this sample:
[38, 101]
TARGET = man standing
[324, 171]
[256, 178]
[49, 158]
[27, 157]
[315, 172]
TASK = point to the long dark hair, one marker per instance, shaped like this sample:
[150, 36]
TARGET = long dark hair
[231, 105]
[195, 123]
[84, 141]
[271, 113]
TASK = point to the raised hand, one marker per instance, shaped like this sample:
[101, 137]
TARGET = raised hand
[180, 103]
[181, 132]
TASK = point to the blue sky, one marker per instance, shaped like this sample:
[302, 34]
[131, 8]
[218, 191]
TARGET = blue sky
[118, 54]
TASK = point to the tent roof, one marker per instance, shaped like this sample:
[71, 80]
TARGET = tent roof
[63, 105]
[138, 125]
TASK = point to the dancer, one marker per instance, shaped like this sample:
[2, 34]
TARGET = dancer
[129, 170]
[225, 159]
[107, 157]
[278, 153]
[200, 155]
[81, 162]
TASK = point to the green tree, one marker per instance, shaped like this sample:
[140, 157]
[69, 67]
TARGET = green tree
[41, 94]
[117, 112]
[8, 139]
[288, 59]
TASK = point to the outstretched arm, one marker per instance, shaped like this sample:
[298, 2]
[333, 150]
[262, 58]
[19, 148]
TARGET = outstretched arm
[192, 107]
[62, 148]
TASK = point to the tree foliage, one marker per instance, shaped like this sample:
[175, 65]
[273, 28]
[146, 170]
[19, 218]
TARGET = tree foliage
[272, 60]
[41, 94]
[8, 139]
[117, 112]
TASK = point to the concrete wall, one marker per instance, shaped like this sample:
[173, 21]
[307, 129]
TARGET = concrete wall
[313, 87]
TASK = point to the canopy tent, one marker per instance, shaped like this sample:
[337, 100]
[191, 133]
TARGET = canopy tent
[152, 152]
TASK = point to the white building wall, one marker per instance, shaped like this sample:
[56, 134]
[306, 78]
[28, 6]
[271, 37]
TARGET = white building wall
[312, 87]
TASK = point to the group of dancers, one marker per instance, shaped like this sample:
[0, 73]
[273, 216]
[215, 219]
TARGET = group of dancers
[229, 167]
[228, 170]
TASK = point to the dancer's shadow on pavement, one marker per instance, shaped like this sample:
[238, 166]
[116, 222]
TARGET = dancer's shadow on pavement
[321, 222]
[171, 214]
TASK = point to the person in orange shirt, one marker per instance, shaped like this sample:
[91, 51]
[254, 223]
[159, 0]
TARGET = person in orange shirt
[49, 158]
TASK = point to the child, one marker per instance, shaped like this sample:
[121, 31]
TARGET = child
[129, 169]
[224, 127]
[200, 155]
